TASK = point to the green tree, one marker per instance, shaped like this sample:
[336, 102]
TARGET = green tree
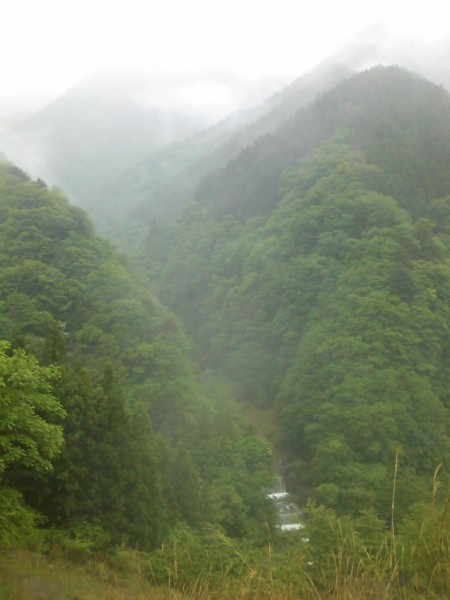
[28, 434]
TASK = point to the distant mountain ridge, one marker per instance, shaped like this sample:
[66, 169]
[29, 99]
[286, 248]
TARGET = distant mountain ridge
[156, 189]
[313, 272]
[368, 104]
[159, 187]
[135, 155]
[99, 127]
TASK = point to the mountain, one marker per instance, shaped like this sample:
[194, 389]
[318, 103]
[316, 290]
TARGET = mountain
[156, 189]
[14, 109]
[378, 46]
[372, 111]
[102, 125]
[82, 137]
[313, 271]
[312, 274]
[89, 357]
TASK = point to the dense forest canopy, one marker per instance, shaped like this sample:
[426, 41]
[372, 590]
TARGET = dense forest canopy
[141, 435]
[398, 118]
[304, 284]
[323, 289]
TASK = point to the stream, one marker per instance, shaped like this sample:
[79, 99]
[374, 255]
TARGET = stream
[289, 514]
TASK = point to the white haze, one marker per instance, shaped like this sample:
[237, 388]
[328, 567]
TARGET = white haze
[198, 61]
[47, 46]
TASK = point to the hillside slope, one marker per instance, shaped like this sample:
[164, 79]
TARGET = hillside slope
[143, 439]
[323, 289]
[158, 188]
[94, 131]
[399, 119]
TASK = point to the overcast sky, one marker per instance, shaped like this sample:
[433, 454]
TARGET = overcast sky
[47, 45]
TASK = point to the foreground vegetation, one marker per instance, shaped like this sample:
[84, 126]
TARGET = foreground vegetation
[343, 559]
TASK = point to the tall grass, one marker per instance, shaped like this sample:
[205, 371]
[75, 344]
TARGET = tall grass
[344, 559]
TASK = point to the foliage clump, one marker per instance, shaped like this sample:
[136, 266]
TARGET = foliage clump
[93, 359]
[324, 292]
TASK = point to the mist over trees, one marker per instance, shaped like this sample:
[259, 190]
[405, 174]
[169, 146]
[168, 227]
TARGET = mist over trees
[334, 306]
[125, 394]
[284, 311]
[108, 122]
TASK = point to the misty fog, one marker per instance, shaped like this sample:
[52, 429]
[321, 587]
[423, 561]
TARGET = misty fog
[224, 300]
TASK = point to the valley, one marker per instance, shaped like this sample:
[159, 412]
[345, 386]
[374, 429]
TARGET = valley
[249, 398]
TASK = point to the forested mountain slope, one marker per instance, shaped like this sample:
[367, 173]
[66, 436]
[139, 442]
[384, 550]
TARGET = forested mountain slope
[325, 301]
[324, 290]
[159, 187]
[101, 126]
[399, 119]
[92, 360]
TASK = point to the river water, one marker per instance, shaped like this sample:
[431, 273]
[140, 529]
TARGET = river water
[289, 514]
